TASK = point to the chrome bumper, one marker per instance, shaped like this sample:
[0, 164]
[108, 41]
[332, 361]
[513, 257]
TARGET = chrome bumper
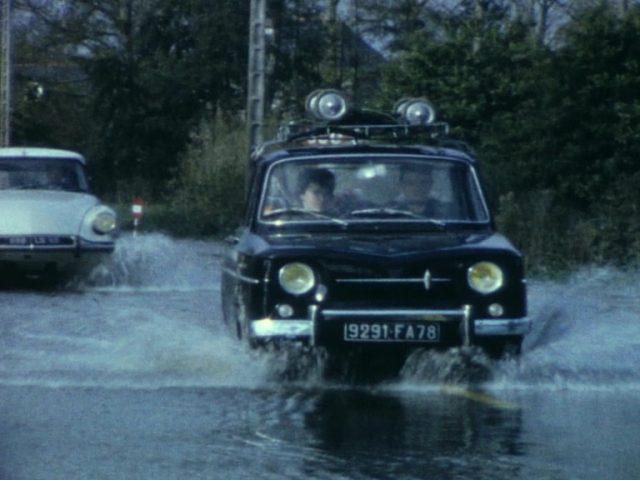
[305, 328]
[295, 328]
[502, 327]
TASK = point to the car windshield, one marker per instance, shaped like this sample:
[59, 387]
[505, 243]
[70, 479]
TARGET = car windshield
[353, 189]
[42, 174]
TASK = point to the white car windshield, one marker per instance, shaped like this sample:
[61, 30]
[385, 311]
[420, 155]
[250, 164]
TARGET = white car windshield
[371, 188]
[42, 174]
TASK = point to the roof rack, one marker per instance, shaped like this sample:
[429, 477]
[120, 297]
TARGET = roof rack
[333, 122]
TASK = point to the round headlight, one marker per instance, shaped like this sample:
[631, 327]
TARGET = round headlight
[485, 277]
[105, 223]
[327, 104]
[296, 278]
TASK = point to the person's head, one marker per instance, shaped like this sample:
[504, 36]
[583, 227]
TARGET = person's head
[415, 182]
[315, 188]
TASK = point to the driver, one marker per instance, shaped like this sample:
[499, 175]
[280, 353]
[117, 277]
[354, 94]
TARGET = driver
[315, 189]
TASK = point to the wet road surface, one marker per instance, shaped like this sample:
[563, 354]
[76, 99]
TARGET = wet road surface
[129, 374]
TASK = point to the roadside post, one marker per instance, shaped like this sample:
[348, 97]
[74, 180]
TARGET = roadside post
[137, 208]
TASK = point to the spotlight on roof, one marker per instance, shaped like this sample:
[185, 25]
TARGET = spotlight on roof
[327, 104]
[415, 111]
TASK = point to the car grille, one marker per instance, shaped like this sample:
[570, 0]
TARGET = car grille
[394, 286]
[37, 242]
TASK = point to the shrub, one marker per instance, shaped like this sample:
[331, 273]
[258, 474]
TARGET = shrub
[208, 191]
[556, 238]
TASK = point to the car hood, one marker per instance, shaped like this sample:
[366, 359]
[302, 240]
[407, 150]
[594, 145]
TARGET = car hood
[401, 245]
[43, 212]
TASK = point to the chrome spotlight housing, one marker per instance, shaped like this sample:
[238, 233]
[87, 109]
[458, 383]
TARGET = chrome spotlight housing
[327, 104]
[415, 111]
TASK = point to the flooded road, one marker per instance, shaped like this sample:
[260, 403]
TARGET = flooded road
[130, 374]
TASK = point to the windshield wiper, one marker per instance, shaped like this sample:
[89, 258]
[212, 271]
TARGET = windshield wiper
[293, 211]
[389, 212]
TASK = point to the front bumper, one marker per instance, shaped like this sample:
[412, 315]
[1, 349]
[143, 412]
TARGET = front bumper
[74, 254]
[460, 320]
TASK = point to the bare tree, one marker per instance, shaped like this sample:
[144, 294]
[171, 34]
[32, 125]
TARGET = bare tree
[540, 15]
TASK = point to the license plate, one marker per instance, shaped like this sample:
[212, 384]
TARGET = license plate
[25, 241]
[391, 332]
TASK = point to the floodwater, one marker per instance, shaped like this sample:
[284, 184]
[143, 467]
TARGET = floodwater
[130, 374]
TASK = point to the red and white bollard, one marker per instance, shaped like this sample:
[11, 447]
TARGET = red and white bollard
[137, 208]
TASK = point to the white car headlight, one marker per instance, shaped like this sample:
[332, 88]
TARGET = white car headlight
[296, 278]
[485, 277]
[104, 223]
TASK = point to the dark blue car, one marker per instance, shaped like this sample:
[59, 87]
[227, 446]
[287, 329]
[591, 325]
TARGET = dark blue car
[370, 233]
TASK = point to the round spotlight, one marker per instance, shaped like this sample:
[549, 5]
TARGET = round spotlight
[415, 111]
[327, 104]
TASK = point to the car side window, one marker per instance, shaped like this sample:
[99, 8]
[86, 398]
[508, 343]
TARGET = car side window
[276, 196]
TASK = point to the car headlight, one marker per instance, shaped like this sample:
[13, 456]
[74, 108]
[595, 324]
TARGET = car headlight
[296, 278]
[485, 277]
[104, 223]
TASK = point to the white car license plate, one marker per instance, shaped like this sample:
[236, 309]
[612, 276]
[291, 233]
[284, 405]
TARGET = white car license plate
[391, 332]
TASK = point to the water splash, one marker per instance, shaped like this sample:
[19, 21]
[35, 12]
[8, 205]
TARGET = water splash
[466, 365]
[151, 317]
[157, 261]
[150, 353]
[586, 333]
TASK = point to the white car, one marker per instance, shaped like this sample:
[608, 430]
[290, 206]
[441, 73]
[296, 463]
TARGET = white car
[50, 222]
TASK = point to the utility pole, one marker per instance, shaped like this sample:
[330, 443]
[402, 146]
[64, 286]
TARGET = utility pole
[335, 46]
[5, 74]
[256, 73]
[479, 15]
